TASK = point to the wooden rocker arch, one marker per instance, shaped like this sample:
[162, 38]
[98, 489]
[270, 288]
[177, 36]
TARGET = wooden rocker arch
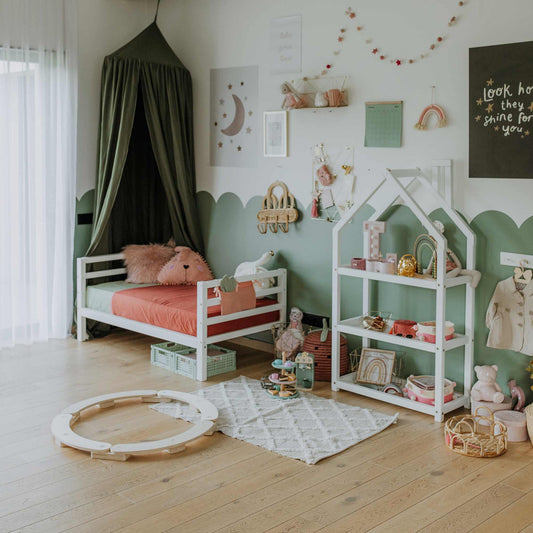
[64, 435]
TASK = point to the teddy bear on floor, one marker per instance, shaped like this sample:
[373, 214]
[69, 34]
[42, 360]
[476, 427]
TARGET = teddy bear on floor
[486, 389]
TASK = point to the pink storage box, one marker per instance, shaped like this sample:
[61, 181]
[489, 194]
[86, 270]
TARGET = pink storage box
[427, 396]
[426, 331]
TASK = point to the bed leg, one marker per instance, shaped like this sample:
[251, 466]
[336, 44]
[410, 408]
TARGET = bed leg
[201, 363]
[81, 328]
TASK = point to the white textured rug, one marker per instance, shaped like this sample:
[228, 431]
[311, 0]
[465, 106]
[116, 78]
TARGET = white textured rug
[308, 428]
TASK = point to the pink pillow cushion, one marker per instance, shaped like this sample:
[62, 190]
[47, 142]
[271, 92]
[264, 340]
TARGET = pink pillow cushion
[144, 261]
[185, 268]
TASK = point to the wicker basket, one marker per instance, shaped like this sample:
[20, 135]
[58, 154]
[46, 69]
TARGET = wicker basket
[476, 435]
[529, 417]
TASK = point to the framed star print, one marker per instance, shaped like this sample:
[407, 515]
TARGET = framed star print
[501, 111]
[275, 133]
[234, 126]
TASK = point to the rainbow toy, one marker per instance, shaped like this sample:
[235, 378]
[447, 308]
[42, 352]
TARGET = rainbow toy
[432, 109]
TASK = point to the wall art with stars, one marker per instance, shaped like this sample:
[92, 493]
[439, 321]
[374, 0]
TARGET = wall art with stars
[234, 117]
[501, 111]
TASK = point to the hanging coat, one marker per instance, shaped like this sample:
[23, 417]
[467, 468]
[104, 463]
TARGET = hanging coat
[510, 318]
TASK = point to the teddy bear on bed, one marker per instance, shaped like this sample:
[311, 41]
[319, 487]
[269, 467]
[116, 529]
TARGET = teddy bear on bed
[187, 267]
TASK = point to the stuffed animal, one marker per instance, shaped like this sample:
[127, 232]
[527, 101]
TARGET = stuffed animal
[486, 389]
[291, 340]
[254, 267]
[185, 268]
[292, 99]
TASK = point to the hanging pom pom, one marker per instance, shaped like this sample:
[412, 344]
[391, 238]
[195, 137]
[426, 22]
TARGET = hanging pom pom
[439, 39]
[398, 62]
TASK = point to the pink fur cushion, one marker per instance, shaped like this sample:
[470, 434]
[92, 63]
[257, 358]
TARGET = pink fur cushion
[185, 268]
[144, 261]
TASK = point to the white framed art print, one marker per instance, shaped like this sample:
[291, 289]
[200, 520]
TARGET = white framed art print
[275, 133]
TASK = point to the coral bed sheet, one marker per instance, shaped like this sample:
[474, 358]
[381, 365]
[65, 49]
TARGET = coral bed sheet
[173, 307]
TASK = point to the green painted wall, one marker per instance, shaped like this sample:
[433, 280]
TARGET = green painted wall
[231, 236]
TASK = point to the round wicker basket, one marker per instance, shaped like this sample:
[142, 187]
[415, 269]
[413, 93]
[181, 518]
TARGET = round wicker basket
[476, 435]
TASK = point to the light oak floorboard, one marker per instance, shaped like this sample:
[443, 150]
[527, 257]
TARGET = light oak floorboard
[403, 479]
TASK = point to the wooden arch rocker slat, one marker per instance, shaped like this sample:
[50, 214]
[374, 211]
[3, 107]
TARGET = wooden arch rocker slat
[64, 435]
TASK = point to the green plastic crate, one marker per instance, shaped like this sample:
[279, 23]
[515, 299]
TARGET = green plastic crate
[219, 360]
[164, 354]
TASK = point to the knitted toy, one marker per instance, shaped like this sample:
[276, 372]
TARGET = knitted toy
[292, 99]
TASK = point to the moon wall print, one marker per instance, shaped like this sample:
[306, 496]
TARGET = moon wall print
[238, 121]
[233, 129]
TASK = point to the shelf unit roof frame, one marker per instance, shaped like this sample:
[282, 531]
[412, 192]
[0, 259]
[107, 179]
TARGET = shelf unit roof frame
[392, 178]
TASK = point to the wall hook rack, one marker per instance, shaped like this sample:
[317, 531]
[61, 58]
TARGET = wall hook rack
[277, 212]
[516, 260]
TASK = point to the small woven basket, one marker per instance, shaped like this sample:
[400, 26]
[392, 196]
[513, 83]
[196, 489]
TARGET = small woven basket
[466, 435]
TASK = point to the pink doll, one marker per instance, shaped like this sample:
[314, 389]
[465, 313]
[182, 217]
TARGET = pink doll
[292, 99]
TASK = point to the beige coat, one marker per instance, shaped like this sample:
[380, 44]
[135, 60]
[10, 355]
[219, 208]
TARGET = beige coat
[510, 318]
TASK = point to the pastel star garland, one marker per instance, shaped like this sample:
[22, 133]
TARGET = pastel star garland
[378, 52]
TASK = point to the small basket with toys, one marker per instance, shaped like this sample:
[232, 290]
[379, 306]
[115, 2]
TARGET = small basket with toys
[476, 435]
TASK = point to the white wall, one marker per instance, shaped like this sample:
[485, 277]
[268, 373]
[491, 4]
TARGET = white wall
[209, 34]
[224, 33]
[103, 26]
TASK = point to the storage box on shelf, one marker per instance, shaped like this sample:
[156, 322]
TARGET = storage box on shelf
[391, 189]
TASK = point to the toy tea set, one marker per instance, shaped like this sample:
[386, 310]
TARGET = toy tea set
[290, 376]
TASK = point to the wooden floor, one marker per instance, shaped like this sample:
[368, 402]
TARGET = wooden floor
[403, 479]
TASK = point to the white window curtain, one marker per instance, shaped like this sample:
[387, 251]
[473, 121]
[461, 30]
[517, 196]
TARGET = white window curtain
[38, 106]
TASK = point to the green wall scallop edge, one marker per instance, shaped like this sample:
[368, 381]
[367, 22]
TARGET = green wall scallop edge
[230, 233]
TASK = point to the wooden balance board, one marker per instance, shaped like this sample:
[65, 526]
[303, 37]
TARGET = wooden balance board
[64, 435]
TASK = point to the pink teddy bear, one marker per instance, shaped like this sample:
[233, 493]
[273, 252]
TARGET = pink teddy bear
[486, 389]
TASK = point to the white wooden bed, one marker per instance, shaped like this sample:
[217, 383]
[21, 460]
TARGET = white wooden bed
[202, 339]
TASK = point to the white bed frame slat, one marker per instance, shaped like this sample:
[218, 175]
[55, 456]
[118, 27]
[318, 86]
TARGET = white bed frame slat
[202, 339]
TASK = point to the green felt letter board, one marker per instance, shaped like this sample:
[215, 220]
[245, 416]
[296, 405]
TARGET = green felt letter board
[501, 111]
[384, 124]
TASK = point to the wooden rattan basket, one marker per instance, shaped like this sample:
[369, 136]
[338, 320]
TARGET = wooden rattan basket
[476, 435]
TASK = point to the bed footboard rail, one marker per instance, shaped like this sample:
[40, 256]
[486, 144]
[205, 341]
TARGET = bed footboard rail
[279, 290]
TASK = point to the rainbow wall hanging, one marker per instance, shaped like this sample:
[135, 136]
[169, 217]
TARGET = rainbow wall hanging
[432, 109]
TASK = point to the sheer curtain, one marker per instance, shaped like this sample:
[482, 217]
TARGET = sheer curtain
[38, 104]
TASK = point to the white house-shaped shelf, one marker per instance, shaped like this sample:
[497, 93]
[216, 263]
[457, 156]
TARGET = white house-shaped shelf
[393, 187]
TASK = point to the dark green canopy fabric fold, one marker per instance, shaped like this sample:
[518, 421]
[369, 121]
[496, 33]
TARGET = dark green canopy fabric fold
[145, 75]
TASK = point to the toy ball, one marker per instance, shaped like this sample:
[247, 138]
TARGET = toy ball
[407, 266]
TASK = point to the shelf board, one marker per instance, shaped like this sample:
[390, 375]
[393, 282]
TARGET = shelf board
[424, 283]
[353, 326]
[346, 383]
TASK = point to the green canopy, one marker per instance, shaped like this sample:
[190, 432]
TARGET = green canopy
[146, 184]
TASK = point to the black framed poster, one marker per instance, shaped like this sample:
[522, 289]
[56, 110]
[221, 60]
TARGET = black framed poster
[501, 111]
